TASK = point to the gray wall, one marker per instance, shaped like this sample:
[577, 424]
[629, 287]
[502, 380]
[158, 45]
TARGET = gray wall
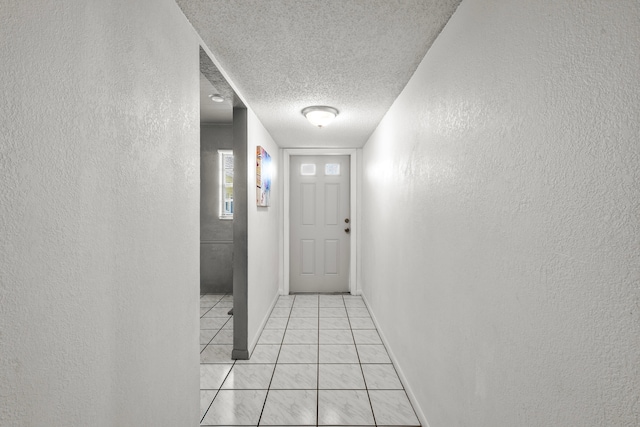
[500, 218]
[99, 214]
[216, 235]
[240, 233]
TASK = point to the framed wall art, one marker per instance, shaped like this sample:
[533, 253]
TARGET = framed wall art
[263, 177]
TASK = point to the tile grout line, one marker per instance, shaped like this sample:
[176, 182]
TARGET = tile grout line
[318, 370]
[298, 389]
[360, 364]
[219, 329]
[275, 365]
[233, 363]
[287, 328]
[216, 334]
[396, 372]
[217, 392]
[403, 388]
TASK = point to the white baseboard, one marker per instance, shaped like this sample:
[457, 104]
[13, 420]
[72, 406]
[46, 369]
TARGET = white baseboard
[255, 339]
[412, 398]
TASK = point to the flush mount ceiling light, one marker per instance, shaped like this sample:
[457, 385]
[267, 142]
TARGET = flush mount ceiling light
[320, 115]
[216, 97]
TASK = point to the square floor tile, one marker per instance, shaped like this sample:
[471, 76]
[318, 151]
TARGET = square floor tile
[354, 302]
[304, 353]
[344, 407]
[332, 312]
[212, 375]
[206, 397]
[281, 312]
[306, 297]
[342, 353]
[236, 407]
[271, 336]
[263, 353]
[334, 323]
[367, 336]
[361, 323]
[225, 336]
[295, 376]
[302, 323]
[304, 312]
[357, 312]
[228, 325]
[284, 302]
[276, 323]
[226, 303]
[216, 354]
[213, 322]
[249, 376]
[331, 301]
[336, 336]
[290, 407]
[392, 407]
[211, 297]
[305, 304]
[218, 312]
[382, 377]
[340, 376]
[301, 336]
[373, 354]
[207, 334]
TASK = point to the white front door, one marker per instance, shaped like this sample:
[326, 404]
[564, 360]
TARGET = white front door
[320, 224]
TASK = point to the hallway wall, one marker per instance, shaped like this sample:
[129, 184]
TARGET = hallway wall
[264, 274]
[99, 214]
[500, 218]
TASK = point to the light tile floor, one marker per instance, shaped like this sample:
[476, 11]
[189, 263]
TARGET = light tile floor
[318, 362]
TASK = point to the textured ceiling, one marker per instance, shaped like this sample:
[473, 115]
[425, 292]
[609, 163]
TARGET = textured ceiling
[284, 55]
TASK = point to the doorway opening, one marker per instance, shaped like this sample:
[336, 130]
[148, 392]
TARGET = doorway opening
[223, 218]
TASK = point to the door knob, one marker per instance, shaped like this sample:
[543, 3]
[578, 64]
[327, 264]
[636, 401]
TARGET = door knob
[346, 220]
[347, 230]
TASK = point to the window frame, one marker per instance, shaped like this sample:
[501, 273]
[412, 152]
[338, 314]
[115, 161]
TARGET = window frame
[223, 185]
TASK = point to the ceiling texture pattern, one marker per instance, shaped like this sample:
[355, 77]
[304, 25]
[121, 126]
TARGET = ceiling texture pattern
[284, 55]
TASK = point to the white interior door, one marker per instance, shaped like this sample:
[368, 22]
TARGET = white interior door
[319, 224]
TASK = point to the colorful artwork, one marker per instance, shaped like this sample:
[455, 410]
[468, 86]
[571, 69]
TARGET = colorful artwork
[263, 177]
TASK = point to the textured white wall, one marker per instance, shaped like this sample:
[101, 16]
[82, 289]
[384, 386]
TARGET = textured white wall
[264, 232]
[99, 214]
[500, 220]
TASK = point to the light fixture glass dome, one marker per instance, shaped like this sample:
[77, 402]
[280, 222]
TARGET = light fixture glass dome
[320, 115]
[216, 97]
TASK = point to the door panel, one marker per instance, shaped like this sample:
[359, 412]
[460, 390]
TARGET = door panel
[331, 203]
[308, 204]
[308, 257]
[318, 219]
[331, 256]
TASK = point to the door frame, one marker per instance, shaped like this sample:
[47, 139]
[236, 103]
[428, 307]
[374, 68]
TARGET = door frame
[353, 215]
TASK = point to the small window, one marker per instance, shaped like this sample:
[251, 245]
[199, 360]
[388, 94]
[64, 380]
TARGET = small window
[307, 169]
[332, 169]
[226, 183]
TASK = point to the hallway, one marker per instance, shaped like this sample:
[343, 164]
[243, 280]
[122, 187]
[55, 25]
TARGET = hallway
[496, 229]
[319, 361]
